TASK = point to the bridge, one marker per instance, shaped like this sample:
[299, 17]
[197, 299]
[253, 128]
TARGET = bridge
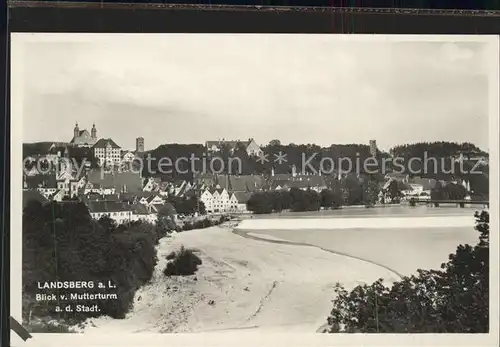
[460, 203]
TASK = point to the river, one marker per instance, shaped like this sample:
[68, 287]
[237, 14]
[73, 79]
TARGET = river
[276, 273]
[402, 239]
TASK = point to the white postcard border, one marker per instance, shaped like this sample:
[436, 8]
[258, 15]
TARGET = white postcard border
[18, 40]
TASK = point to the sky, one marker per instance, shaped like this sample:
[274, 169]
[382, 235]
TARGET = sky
[190, 88]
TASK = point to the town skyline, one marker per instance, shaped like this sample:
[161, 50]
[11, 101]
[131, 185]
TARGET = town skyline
[194, 89]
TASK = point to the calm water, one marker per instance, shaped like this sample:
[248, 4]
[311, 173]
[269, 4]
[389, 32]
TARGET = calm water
[404, 249]
[393, 211]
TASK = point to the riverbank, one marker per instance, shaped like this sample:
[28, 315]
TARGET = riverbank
[242, 284]
[277, 275]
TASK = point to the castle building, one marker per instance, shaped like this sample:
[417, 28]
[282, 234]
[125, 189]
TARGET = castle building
[107, 151]
[82, 138]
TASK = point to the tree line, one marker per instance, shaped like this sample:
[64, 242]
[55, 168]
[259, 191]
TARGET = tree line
[61, 242]
[454, 299]
[351, 190]
[187, 205]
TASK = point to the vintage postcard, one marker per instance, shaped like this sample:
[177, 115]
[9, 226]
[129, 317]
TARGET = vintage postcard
[292, 189]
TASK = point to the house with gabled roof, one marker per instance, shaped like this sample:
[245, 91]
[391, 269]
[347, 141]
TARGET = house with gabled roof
[251, 147]
[293, 180]
[154, 199]
[216, 200]
[242, 199]
[107, 151]
[58, 195]
[141, 212]
[151, 184]
[128, 156]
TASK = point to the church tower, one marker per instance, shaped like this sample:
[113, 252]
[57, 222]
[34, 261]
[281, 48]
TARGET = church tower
[94, 131]
[76, 131]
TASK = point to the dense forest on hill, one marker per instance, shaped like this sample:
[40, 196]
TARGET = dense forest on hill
[436, 160]
[439, 149]
[36, 148]
[426, 159]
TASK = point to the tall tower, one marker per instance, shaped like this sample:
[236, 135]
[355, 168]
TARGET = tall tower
[93, 132]
[76, 130]
[373, 148]
[139, 144]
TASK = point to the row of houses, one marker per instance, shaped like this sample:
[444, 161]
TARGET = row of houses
[119, 211]
[417, 187]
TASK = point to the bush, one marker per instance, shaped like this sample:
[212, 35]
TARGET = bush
[170, 256]
[224, 219]
[182, 263]
[413, 202]
[454, 299]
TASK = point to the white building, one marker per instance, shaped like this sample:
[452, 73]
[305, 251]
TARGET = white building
[251, 147]
[221, 201]
[121, 213]
[241, 199]
[414, 190]
[215, 200]
[107, 151]
[141, 212]
[99, 189]
[67, 183]
[128, 156]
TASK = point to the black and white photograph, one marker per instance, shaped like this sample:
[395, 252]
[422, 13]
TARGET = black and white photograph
[253, 184]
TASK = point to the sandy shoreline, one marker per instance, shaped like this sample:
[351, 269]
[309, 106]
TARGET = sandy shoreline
[252, 285]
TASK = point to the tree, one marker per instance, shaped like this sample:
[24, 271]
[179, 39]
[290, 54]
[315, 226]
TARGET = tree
[275, 143]
[394, 192]
[454, 299]
[370, 192]
[107, 223]
[453, 191]
[261, 203]
[166, 220]
[330, 198]
[352, 190]
[61, 242]
[437, 192]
